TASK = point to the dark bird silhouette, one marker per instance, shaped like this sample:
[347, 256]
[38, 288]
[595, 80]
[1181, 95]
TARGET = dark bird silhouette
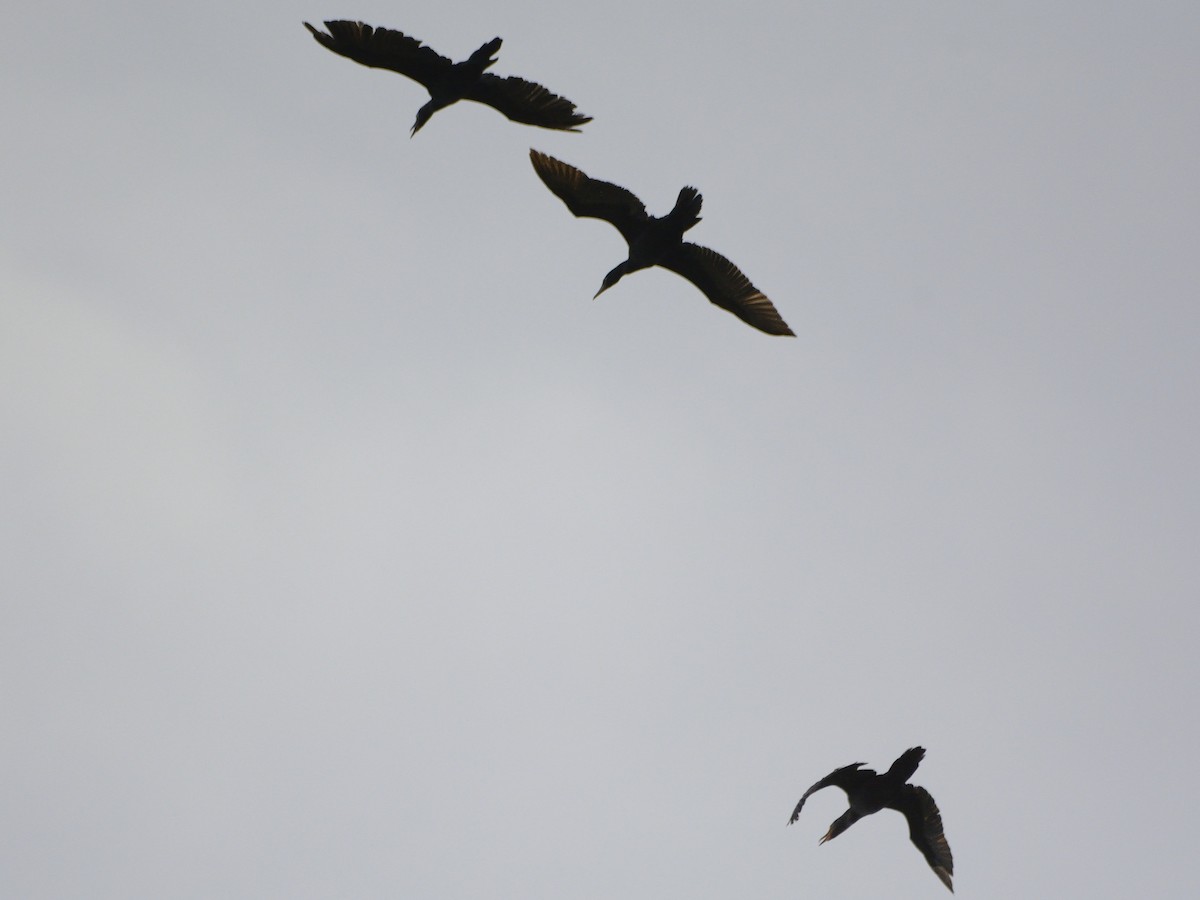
[658, 241]
[448, 82]
[870, 792]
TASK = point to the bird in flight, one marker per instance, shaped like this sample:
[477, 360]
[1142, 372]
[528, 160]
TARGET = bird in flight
[658, 241]
[870, 792]
[448, 82]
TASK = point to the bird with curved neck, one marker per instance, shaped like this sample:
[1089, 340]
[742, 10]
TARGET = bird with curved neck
[658, 241]
[448, 82]
[868, 792]
[658, 238]
[456, 83]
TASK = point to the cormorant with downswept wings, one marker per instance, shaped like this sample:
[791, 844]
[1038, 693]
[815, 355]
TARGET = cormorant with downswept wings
[869, 792]
[658, 241]
[448, 82]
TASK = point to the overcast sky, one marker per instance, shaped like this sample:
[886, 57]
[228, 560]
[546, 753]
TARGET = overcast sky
[350, 550]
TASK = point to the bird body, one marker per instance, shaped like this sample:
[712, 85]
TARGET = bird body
[868, 792]
[448, 82]
[658, 241]
[660, 237]
[456, 81]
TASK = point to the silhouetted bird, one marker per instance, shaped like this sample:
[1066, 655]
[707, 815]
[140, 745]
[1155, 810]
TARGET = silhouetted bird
[659, 241]
[448, 82]
[870, 792]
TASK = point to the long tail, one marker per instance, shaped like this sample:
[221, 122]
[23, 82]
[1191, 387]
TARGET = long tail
[687, 209]
[482, 58]
[905, 765]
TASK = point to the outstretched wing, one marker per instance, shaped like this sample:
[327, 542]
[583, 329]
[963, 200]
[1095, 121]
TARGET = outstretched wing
[724, 284]
[925, 829]
[847, 777]
[588, 197]
[526, 102]
[383, 48]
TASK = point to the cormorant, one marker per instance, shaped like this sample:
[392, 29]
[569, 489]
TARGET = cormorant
[870, 792]
[658, 241]
[448, 82]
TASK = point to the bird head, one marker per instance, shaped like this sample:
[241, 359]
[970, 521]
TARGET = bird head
[423, 116]
[840, 824]
[612, 278]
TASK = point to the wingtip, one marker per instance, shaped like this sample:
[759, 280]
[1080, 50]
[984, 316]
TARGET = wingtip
[542, 162]
[945, 876]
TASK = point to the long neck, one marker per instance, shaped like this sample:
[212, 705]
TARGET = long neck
[841, 823]
[635, 263]
[619, 271]
[426, 112]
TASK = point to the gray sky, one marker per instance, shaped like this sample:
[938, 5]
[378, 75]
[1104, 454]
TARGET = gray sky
[351, 550]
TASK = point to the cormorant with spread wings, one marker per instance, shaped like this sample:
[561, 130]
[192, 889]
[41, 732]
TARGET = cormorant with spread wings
[870, 792]
[448, 82]
[658, 241]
